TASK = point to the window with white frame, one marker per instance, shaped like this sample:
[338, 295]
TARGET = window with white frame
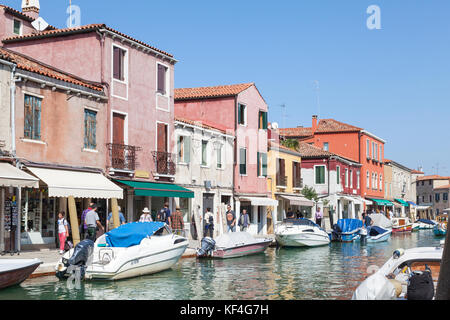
[219, 156]
[373, 150]
[119, 64]
[326, 146]
[17, 27]
[368, 180]
[381, 182]
[346, 177]
[358, 180]
[368, 149]
[184, 149]
[351, 178]
[162, 85]
[242, 114]
[338, 174]
[204, 153]
[380, 156]
[319, 174]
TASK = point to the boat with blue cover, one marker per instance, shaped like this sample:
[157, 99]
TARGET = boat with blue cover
[440, 229]
[131, 250]
[378, 234]
[424, 224]
[347, 230]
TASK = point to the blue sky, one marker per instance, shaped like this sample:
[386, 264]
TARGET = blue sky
[393, 82]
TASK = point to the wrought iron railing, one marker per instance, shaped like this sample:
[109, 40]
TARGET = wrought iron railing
[164, 163]
[281, 181]
[123, 157]
[298, 183]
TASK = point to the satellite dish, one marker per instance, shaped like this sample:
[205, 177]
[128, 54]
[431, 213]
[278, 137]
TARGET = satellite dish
[274, 125]
[39, 24]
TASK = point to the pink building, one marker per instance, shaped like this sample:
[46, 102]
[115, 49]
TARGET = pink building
[139, 82]
[242, 112]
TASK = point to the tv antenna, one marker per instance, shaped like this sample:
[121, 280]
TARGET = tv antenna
[317, 89]
[283, 114]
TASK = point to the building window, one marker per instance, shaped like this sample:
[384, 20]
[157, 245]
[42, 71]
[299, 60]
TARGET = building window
[373, 151]
[243, 161]
[368, 149]
[90, 128]
[358, 180]
[242, 114]
[338, 174]
[380, 156]
[368, 180]
[32, 126]
[162, 79]
[17, 27]
[326, 146]
[262, 124]
[320, 175]
[431, 198]
[184, 149]
[204, 153]
[437, 197]
[296, 175]
[381, 182]
[351, 178]
[430, 182]
[281, 173]
[219, 157]
[262, 164]
[445, 196]
[119, 57]
[346, 177]
[376, 181]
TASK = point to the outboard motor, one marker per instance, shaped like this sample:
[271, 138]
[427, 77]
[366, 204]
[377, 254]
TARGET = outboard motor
[208, 245]
[363, 232]
[78, 260]
[336, 233]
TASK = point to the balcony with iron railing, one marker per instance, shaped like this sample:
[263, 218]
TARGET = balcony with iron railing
[281, 181]
[123, 157]
[297, 183]
[165, 163]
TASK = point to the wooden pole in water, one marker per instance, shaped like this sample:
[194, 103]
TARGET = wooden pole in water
[74, 221]
[115, 213]
[443, 287]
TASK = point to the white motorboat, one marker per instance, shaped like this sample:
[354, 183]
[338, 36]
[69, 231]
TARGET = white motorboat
[391, 280]
[132, 250]
[15, 271]
[424, 224]
[380, 229]
[300, 233]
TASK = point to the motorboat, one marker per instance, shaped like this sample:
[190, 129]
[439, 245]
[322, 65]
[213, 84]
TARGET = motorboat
[14, 271]
[401, 225]
[424, 224]
[379, 230]
[440, 229]
[232, 245]
[300, 233]
[378, 234]
[390, 282]
[131, 250]
[347, 230]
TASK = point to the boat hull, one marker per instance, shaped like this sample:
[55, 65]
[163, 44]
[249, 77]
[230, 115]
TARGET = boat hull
[140, 265]
[302, 240]
[380, 238]
[439, 232]
[17, 276]
[404, 228]
[350, 237]
[241, 251]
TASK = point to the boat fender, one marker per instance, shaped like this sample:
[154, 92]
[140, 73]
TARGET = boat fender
[398, 253]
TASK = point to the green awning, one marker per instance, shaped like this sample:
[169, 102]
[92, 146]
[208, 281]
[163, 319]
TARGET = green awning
[151, 189]
[382, 202]
[402, 202]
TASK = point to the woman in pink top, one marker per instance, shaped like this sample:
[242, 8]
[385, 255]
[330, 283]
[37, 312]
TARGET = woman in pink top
[319, 217]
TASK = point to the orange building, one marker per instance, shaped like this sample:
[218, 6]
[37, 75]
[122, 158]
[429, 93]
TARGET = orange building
[350, 142]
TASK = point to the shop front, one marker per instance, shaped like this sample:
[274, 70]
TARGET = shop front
[299, 205]
[260, 211]
[63, 190]
[382, 205]
[12, 180]
[152, 195]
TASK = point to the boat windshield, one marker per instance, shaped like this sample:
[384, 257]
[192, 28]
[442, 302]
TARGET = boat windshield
[300, 222]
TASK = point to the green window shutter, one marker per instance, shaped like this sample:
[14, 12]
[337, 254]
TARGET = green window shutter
[258, 164]
[187, 149]
[264, 164]
[243, 161]
[179, 148]
[239, 114]
[265, 120]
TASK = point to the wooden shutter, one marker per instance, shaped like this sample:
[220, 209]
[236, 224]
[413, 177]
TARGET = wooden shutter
[258, 164]
[162, 137]
[243, 161]
[187, 149]
[117, 63]
[118, 128]
[264, 164]
[90, 124]
[239, 114]
[28, 125]
[282, 168]
[161, 79]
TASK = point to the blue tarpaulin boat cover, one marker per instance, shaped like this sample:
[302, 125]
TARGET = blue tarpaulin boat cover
[375, 231]
[131, 234]
[426, 221]
[349, 225]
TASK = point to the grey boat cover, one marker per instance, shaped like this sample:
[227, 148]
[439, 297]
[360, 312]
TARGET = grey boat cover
[234, 239]
[380, 220]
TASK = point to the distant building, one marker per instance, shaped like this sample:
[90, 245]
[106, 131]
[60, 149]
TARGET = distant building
[426, 195]
[440, 199]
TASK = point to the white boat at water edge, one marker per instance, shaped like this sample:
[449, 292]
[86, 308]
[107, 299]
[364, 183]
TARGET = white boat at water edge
[133, 249]
[300, 233]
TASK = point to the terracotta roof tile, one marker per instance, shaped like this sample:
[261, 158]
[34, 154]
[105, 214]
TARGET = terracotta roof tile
[310, 151]
[443, 187]
[324, 126]
[29, 64]
[296, 132]
[433, 177]
[211, 92]
[273, 144]
[417, 172]
[70, 31]
[216, 127]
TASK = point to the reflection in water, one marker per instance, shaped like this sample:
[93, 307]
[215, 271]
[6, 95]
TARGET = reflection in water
[329, 272]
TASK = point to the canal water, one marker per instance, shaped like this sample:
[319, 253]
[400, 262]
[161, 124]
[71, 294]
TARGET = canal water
[329, 272]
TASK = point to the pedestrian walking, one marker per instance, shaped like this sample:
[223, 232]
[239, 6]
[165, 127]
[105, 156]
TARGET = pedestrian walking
[209, 224]
[164, 214]
[319, 217]
[244, 221]
[231, 219]
[110, 221]
[146, 216]
[92, 221]
[177, 222]
[290, 214]
[83, 225]
[63, 231]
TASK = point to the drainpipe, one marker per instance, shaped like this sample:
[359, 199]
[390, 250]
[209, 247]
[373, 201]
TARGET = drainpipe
[13, 109]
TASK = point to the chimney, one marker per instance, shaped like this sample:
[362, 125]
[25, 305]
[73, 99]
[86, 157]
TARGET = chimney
[314, 124]
[31, 8]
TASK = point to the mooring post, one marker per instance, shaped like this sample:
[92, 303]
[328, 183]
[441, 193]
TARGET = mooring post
[443, 287]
